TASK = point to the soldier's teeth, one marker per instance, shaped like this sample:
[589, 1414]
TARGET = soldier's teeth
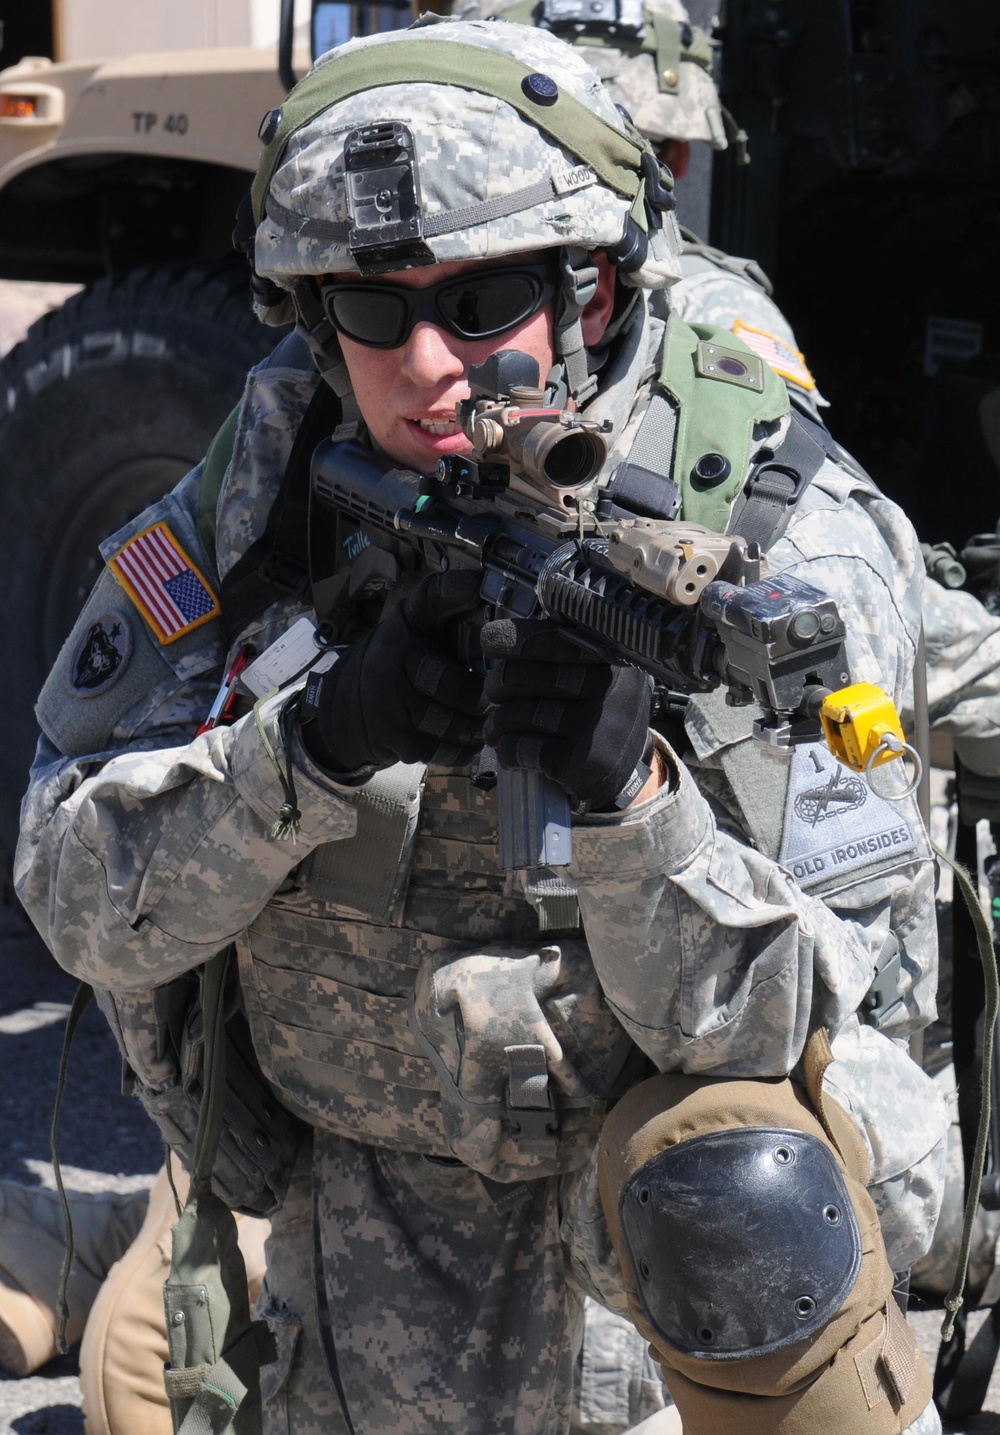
[443, 427]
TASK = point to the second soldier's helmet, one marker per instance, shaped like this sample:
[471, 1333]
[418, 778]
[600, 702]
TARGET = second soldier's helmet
[453, 142]
[653, 61]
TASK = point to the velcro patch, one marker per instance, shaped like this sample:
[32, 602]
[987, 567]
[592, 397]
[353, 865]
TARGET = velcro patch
[573, 179]
[787, 363]
[166, 586]
[730, 366]
[835, 825]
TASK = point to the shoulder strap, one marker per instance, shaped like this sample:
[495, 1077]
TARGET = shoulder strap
[762, 511]
[732, 263]
[277, 565]
[720, 392]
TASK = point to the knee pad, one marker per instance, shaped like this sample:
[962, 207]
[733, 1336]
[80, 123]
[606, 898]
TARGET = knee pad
[753, 1260]
[742, 1241]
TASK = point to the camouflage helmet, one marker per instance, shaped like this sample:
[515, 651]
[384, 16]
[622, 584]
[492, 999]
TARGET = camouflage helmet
[456, 141]
[652, 60]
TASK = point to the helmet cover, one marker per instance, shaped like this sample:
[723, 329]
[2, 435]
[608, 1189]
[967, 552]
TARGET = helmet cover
[486, 182]
[682, 104]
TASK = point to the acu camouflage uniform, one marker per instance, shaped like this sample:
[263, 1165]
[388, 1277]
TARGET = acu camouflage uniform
[428, 1266]
[663, 78]
[962, 637]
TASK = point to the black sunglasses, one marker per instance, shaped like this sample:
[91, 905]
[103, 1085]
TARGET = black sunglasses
[479, 305]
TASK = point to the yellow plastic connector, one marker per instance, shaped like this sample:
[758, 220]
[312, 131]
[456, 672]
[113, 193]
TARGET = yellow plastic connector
[857, 722]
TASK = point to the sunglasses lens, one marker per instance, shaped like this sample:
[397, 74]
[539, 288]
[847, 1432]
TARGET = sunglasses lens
[480, 306]
[369, 316]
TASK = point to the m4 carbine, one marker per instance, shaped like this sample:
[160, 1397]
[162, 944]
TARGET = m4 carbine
[613, 568]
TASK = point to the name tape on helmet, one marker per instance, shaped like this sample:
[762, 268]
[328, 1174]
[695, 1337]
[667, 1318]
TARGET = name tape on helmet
[573, 179]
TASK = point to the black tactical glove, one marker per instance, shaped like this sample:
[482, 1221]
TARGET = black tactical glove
[562, 711]
[401, 694]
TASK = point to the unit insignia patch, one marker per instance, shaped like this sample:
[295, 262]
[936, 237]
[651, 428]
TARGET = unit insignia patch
[102, 655]
[835, 824]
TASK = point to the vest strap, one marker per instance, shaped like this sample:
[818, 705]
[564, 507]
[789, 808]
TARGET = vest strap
[764, 508]
[277, 565]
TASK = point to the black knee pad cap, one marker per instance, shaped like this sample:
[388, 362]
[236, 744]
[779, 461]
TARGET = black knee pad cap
[741, 1241]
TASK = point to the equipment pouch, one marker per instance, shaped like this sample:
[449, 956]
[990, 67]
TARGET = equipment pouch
[216, 1351]
[528, 1054]
[161, 1038]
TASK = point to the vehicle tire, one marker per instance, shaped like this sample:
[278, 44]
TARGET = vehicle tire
[104, 406]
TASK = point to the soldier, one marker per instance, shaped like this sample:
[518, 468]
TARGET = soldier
[403, 1000]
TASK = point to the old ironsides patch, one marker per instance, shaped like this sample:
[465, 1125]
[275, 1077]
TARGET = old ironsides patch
[101, 656]
[835, 825]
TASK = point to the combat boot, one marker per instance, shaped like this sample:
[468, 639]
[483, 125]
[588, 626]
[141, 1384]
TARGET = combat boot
[31, 1257]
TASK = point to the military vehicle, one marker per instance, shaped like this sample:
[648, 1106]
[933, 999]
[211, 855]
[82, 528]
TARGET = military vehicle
[872, 198]
[122, 175]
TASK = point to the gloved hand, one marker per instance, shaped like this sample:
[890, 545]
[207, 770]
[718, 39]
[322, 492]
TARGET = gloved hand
[401, 694]
[560, 710]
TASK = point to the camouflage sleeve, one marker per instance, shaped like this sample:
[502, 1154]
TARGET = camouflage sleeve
[144, 848]
[136, 865]
[720, 948]
[963, 675]
[710, 294]
[711, 954]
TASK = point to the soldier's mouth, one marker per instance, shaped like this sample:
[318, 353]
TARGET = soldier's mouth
[440, 428]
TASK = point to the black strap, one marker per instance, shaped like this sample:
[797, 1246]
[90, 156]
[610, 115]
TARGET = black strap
[82, 998]
[817, 431]
[277, 565]
[762, 512]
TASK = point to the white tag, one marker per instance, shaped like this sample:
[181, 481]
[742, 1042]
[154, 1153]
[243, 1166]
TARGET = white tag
[572, 179]
[286, 657]
[835, 825]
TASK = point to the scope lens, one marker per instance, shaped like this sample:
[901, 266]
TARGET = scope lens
[803, 627]
[573, 460]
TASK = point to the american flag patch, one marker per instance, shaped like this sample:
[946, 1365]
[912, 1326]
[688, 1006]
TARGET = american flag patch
[782, 358]
[164, 584]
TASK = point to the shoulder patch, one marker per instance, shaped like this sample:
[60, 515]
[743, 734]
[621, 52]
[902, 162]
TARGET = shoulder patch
[166, 586]
[787, 362]
[836, 826]
[101, 655]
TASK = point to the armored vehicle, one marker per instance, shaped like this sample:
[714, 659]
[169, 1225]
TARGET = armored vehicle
[122, 174]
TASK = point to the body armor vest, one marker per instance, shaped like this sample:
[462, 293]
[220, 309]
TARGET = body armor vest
[439, 1024]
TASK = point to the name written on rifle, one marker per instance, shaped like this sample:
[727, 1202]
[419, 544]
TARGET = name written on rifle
[355, 543]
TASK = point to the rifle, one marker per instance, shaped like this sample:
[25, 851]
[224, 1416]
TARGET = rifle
[613, 569]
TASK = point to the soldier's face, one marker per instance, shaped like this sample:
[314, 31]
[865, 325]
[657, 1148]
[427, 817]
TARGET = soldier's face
[407, 395]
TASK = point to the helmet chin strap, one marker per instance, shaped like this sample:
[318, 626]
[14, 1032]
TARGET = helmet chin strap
[579, 274]
[324, 345]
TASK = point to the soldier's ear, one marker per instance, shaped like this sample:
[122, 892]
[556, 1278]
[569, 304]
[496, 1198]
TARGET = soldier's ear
[676, 155]
[597, 315]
